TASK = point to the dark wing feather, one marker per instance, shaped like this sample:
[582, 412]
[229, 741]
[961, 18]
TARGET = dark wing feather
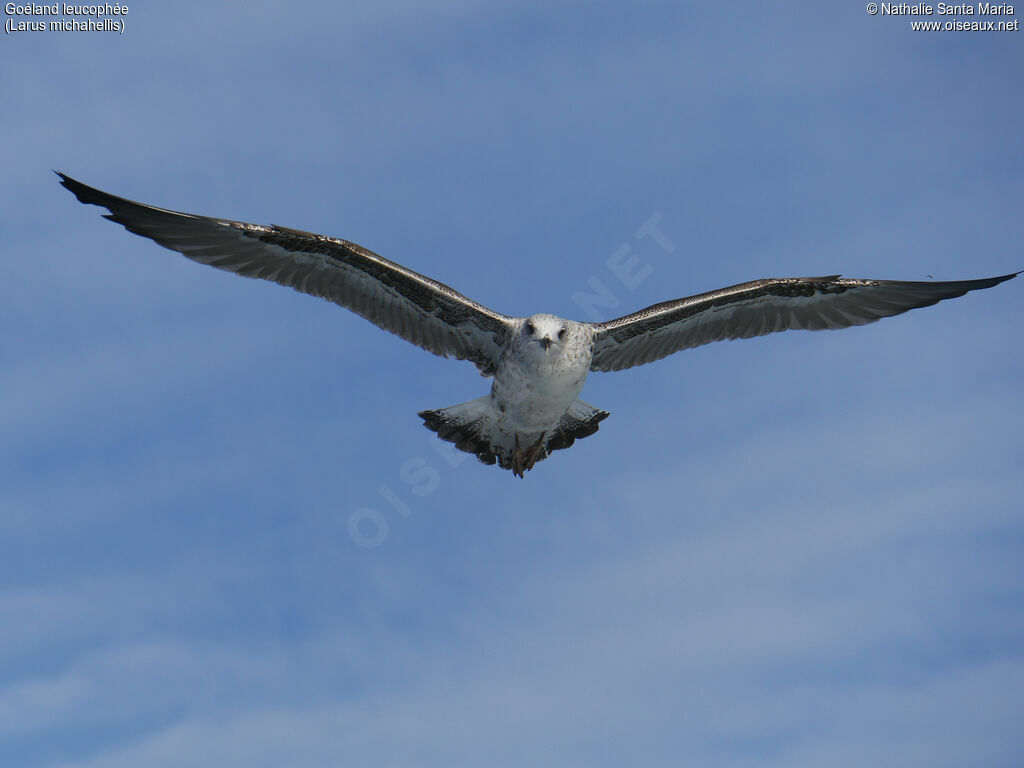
[420, 310]
[761, 307]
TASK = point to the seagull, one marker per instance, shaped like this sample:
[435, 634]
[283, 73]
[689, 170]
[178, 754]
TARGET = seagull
[539, 363]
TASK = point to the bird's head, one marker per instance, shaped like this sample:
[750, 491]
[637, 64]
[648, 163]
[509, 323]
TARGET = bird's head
[545, 331]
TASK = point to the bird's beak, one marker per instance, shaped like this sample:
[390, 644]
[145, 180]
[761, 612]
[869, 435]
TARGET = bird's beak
[545, 342]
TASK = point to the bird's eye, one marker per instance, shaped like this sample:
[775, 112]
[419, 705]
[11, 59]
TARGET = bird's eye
[529, 327]
[561, 335]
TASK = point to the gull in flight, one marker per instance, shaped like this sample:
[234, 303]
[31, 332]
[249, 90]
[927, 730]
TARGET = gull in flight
[538, 363]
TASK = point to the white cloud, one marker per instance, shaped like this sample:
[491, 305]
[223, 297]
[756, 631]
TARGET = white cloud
[790, 551]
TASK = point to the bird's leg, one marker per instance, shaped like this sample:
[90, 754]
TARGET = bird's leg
[517, 459]
[533, 453]
[523, 461]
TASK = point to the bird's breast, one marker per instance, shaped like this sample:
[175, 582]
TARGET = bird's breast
[532, 392]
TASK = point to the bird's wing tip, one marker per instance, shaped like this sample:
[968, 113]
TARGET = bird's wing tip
[66, 180]
[74, 186]
[1010, 276]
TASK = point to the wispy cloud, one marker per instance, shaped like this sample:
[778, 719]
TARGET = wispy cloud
[802, 550]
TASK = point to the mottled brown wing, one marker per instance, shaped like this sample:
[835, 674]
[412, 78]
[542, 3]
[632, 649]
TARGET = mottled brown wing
[761, 307]
[420, 310]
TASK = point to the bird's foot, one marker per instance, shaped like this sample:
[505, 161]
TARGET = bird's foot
[534, 452]
[523, 461]
[517, 459]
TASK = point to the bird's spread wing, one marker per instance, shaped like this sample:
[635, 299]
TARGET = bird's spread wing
[761, 307]
[420, 310]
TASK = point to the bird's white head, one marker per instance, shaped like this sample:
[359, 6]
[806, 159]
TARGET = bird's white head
[545, 333]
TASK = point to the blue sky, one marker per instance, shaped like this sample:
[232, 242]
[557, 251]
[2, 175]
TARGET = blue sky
[802, 550]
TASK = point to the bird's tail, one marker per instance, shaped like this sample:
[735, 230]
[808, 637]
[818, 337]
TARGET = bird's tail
[467, 425]
[579, 421]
